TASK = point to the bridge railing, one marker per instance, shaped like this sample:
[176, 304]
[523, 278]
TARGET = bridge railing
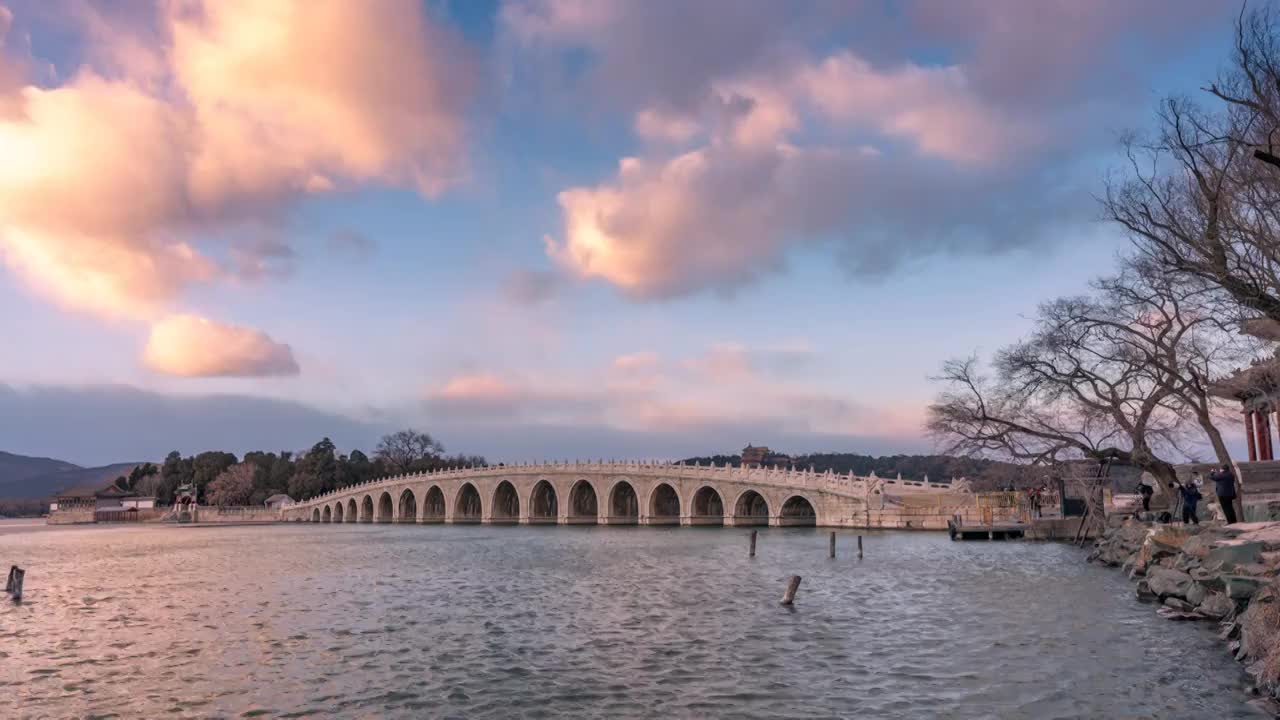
[844, 484]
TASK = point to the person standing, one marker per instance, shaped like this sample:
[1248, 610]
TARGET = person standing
[1145, 491]
[1224, 486]
[1190, 497]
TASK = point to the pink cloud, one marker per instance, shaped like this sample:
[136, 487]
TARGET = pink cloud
[724, 213]
[657, 126]
[201, 118]
[933, 107]
[637, 362]
[754, 145]
[481, 386]
[725, 384]
[192, 346]
[723, 362]
[488, 395]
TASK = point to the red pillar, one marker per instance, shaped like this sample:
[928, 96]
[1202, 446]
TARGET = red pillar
[1265, 452]
[1249, 435]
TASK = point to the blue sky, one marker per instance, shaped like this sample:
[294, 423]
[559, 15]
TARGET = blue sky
[547, 228]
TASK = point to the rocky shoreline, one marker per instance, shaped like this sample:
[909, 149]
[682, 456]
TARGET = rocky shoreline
[1210, 572]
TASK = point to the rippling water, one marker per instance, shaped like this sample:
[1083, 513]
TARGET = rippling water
[388, 621]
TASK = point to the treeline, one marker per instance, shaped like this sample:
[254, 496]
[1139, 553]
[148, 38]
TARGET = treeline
[220, 478]
[982, 473]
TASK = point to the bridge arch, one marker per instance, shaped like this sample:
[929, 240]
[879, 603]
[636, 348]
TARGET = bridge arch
[407, 508]
[505, 508]
[750, 509]
[467, 506]
[583, 507]
[707, 507]
[352, 514]
[315, 515]
[386, 508]
[326, 515]
[798, 511]
[433, 507]
[664, 505]
[338, 508]
[624, 506]
[543, 505]
[366, 509]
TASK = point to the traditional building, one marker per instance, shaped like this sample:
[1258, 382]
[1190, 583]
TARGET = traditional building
[762, 456]
[100, 499]
[754, 456]
[275, 502]
[1257, 388]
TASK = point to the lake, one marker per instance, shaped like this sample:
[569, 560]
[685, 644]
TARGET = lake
[492, 622]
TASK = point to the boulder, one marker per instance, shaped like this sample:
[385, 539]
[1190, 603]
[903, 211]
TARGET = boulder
[1198, 546]
[1178, 604]
[1167, 582]
[1210, 579]
[1186, 563]
[1165, 542]
[1255, 569]
[1228, 555]
[1197, 593]
[1139, 561]
[1218, 605]
[1170, 614]
[1242, 587]
[1144, 592]
[1267, 533]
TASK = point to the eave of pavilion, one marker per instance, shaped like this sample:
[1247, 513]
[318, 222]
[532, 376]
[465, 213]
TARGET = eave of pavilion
[1257, 386]
[1264, 328]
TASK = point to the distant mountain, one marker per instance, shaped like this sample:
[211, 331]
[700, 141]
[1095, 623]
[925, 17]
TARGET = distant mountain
[15, 469]
[36, 478]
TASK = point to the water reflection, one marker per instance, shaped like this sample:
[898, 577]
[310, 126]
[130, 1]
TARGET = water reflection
[357, 620]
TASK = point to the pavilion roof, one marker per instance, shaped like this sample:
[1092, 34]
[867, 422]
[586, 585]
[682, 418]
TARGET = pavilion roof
[1258, 381]
[1262, 327]
[98, 491]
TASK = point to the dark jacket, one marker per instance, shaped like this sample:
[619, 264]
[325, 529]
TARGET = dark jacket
[1190, 495]
[1224, 483]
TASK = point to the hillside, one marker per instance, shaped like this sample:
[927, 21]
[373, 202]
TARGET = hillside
[33, 478]
[15, 468]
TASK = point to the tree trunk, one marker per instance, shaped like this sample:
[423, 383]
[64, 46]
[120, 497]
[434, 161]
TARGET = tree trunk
[1215, 436]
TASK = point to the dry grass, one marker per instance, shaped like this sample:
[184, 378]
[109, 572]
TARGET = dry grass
[1261, 632]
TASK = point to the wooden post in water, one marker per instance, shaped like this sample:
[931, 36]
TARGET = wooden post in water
[792, 586]
[859, 547]
[833, 545]
[14, 584]
[753, 544]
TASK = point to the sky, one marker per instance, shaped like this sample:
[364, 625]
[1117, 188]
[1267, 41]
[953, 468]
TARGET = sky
[548, 228]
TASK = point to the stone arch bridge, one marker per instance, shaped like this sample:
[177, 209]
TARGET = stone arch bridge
[637, 493]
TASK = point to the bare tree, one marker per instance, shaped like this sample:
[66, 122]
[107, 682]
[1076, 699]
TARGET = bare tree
[1202, 198]
[401, 450]
[233, 486]
[1120, 374]
[1179, 327]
